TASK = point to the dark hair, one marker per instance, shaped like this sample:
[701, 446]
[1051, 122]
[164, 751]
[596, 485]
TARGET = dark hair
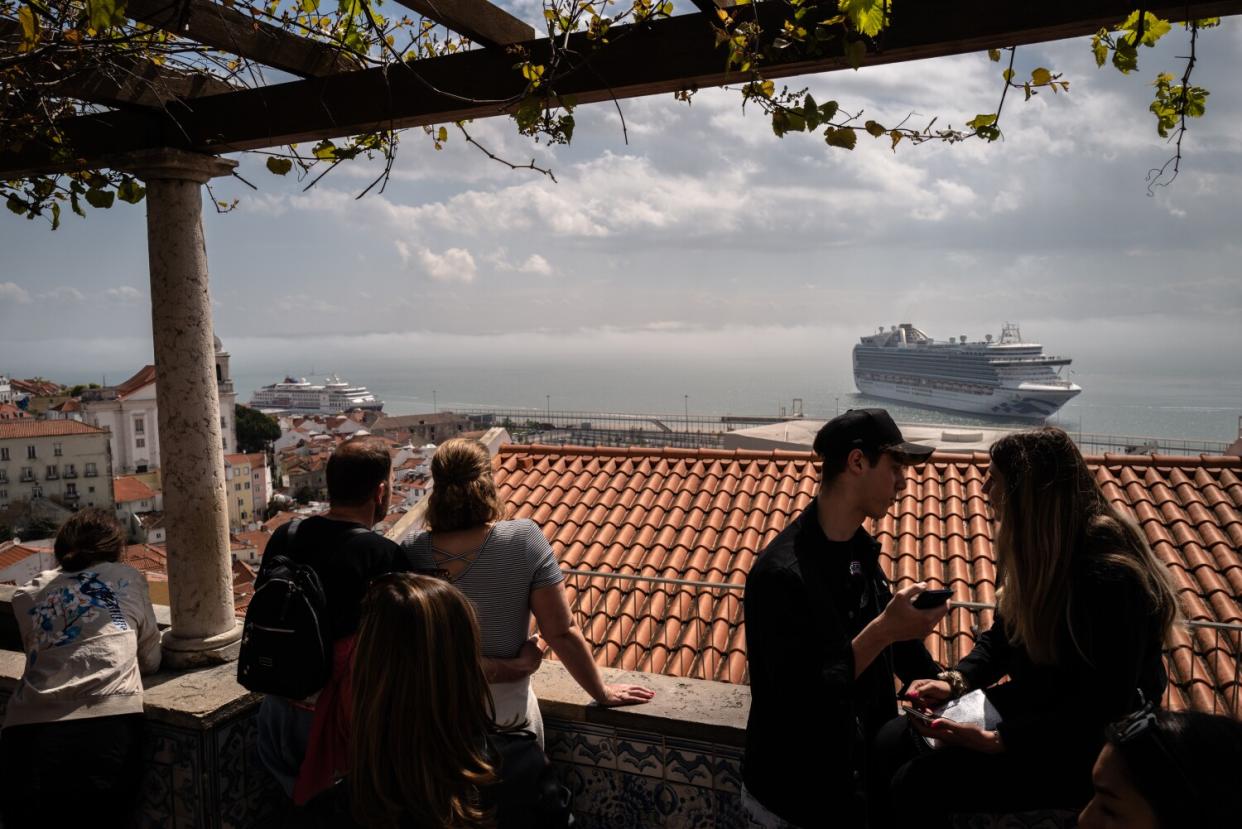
[1185, 765]
[356, 468]
[834, 464]
[89, 536]
[421, 707]
[464, 494]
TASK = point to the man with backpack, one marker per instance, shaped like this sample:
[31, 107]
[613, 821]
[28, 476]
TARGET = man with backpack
[292, 609]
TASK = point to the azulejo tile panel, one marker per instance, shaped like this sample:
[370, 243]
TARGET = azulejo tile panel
[655, 781]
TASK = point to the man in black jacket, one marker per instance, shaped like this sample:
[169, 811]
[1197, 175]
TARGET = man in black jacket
[825, 635]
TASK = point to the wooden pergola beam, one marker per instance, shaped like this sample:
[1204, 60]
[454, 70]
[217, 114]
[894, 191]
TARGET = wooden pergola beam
[664, 56]
[235, 32]
[478, 20]
[133, 83]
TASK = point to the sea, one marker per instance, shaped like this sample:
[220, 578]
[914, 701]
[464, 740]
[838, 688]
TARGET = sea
[1182, 407]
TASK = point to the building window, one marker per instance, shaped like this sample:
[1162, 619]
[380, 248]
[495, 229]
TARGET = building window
[27, 474]
[247, 484]
[90, 489]
[90, 470]
[140, 426]
[141, 443]
[237, 487]
[36, 492]
[4, 454]
[71, 470]
[56, 450]
[51, 473]
[4, 477]
[71, 490]
[30, 453]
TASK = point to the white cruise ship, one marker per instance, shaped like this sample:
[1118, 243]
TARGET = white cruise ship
[297, 396]
[1005, 378]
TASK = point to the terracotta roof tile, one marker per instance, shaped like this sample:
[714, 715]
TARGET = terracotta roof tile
[704, 515]
[27, 428]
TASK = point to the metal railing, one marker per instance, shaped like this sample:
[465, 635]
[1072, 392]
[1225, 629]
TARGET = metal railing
[626, 618]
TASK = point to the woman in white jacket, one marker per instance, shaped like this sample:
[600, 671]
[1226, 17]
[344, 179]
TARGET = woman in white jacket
[74, 723]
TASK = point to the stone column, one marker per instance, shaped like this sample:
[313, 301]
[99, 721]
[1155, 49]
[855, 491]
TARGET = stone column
[200, 571]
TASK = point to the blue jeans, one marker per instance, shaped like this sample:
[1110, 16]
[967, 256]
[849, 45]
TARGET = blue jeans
[284, 731]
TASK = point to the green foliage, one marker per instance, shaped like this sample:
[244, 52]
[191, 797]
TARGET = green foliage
[279, 166]
[255, 430]
[1173, 103]
[841, 137]
[867, 17]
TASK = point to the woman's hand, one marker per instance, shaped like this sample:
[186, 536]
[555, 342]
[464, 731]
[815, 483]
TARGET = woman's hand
[961, 735]
[929, 693]
[615, 695]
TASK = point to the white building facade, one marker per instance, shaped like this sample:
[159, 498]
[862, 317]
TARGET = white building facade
[129, 413]
[67, 462]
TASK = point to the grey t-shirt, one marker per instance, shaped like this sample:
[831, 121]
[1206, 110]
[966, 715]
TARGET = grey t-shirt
[514, 560]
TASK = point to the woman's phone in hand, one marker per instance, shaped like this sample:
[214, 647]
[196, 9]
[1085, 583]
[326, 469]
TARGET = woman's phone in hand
[925, 717]
[931, 598]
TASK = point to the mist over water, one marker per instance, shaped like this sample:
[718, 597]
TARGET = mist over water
[746, 371]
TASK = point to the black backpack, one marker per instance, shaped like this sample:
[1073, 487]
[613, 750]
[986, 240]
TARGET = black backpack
[286, 646]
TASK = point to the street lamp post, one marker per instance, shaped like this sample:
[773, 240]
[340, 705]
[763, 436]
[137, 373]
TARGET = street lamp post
[837, 401]
[548, 399]
[686, 400]
[433, 402]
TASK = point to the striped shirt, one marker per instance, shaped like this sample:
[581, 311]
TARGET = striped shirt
[514, 559]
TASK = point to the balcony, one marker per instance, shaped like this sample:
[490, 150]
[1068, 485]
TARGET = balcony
[90, 473]
[52, 476]
[70, 474]
[28, 478]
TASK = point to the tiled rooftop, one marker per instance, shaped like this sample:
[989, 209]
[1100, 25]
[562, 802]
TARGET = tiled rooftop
[703, 515]
[128, 488]
[26, 428]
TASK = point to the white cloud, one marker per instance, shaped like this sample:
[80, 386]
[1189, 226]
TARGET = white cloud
[63, 293]
[12, 292]
[455, 264]
[536, 264]
[403, 250]
[123, 293]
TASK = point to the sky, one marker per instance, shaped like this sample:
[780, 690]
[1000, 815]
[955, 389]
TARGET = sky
[706, 238]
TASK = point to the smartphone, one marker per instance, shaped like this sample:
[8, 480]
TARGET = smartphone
[931, 598]
[926, 718]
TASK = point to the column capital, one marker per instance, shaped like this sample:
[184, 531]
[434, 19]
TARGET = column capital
[168, 163]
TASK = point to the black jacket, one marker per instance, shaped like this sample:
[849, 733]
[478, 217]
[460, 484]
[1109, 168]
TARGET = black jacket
[810, 719]
[1063, 708]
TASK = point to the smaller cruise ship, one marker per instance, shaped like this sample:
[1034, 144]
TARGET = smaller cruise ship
[297, 396]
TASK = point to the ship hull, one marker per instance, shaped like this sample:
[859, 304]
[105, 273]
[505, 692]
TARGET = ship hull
[1029, 404]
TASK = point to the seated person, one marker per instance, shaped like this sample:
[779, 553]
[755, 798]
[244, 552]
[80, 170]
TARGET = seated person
[1084, 610]
[1162, 770]
[425, 751]
[74, 724]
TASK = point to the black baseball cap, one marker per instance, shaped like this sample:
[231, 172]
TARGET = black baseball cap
[867, 429]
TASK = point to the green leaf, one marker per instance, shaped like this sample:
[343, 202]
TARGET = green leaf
[866, 16]
[828, 111]
[1154, 28]
[16, 205]
[100, 198]
[1040, 76]
[102, 14]
[874, 129]
[980, 121]
[30, 29]
[994, 55]
[1007, 75]
[442, 135]
[1125, 57]
[844, 138]
[855, 51]
[896, 136]
[130, 191]
[324, 150]
[55, 215]
[1099, 48]
[279, 166]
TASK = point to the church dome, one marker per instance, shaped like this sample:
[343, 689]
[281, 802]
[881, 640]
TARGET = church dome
[218, 345]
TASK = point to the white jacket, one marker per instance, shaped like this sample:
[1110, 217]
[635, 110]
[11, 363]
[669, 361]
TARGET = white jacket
[88, 634]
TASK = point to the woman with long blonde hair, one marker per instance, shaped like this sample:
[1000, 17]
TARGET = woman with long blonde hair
[1084, 610]
[508, 570]
[424, 749]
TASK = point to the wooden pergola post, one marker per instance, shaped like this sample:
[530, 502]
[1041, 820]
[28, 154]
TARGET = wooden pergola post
[200, 573]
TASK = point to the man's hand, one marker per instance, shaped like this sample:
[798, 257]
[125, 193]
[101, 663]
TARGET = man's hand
[929, 693]
[903, 621]
[530, 657]
[961, 735]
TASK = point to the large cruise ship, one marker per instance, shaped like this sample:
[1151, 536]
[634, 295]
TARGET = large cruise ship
[1005, 378]
[297, 396]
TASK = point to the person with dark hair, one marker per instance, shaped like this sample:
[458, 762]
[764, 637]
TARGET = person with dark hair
[345, 554]
[1084, 609]
[74, 721]
[426, 752]
[1166, 770]
[508, 570]
[825, 635]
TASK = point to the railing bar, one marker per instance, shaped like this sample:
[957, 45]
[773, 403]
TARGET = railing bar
[722, 585]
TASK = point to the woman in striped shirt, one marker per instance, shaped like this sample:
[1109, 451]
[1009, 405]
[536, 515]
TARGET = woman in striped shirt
[509, 572]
